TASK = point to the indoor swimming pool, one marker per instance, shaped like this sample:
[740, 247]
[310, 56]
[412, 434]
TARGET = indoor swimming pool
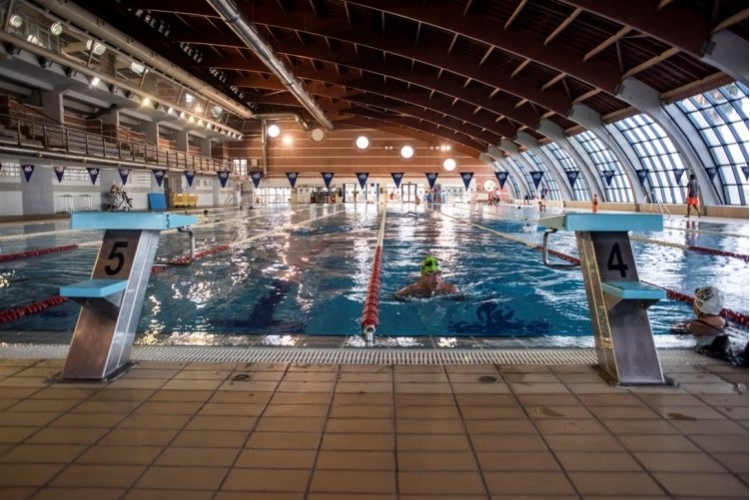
[284, 272]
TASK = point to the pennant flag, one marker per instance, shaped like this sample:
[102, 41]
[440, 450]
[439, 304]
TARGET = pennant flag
[466, 177]
[431, 178]
[537, 178]
[159, 175]
[124, 173]
[223, 177]
[501, 178]
[255, 176]
[93, 173]
[744, 170]
[711, 171]
[642, 175]
[292, 176]
[397, 176]
[327, 178]
[572, 177]
[28, 170]
[190, 175]
[59, 172]
[678, 174]
[362, 178]
[608, 176]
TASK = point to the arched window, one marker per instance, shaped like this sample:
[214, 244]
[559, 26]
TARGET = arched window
[547, 179]
[617, 188]
[581, 190]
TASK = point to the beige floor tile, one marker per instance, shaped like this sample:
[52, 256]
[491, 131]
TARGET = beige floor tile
[181, 396]
[528, 378]
[131, 455]
[232, 409]
[246, 386]
[141, 421]
[203, 375]
[427, 378]
[294, 398]
[267, 480]
[503, 369]
[284, 440]
[597, 461]
[365, 377]
[88, 420]
[364, 388]
[693, 412]
[197, 457]
[221, 423]
[436, 461]
[290, 424]
[716, 400]
[99, 476]
[522, 483]
[344, 481]
[509, 442]
[650, 442]
[734, 462]
[725, 388]
[570, 426]
[494, 388]
[619, 399]
[355, 496]
[356, 460]
[7, 403]
[582, 442]
[441, 426]
[263, 367]
[527, 400]
[353, 368]
[43, 405]
[632, 412]
[558, 412]
[199, 366]
[487, 400]
[114, 393]
[376, 442]
[26, 418]
[639, 426]
[131, 437]
[517, 461]
[42, 453]
[473, 378]
[260, 495]
[306, 387]
[736, 413]
[538, 388]
[154, 373]
[294, 376]
[79, 493]
[680, 399]
[593, 388]
[59, 391]
[715, 427]
[614, 483]
[351, 411]
[276, 459]
[190, 478]
[211, 439]
[706, 485]
[360, 425]
[419, 388]
[26, 474]
[67, 435]
[163, 494]
[424, 400]
[418, 369]
[256, 376]
[37, 381]
[19, 392]
[580, 378]
[427, 412]
[122, 407]
[295, 411]
[137, 383]
[312, 367]
[492, 412]
[169, 408]
[191, 385]
[678, 462]
[507, 426]
[365, 399]
[443, 482]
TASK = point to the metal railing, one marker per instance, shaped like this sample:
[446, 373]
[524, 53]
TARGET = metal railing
[652, 200]
[38, 135]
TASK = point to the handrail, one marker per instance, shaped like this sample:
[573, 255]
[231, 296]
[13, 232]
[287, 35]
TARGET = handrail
[651, 196]
[43, 136]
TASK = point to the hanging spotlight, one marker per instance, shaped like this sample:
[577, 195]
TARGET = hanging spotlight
[94, 81]
[273, 130]
[137, 68]
[16, 21]
[96, 47]
[56, 29]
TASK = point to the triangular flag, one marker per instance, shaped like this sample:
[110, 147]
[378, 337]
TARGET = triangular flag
[190, 175]
[255, 176]
[159, 176]
[466, 177]
[397, 176]
[678, 174]
[28, 170]
[59, 173]
[431, 178]
[537, 178]
[744, 170]
[501, 178]
[642, 175]
[292, 176]
[711, 171]
[124, 173]
[327, 178]
[362, 178]
[93, 173]
[572, 177]
[608, 176]
[223, 177]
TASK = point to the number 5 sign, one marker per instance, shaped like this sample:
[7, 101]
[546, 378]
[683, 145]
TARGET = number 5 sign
[116, 255]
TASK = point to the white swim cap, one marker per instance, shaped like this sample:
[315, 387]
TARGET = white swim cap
[708, 300]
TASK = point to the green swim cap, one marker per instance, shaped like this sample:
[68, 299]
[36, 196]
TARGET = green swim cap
[430, 264]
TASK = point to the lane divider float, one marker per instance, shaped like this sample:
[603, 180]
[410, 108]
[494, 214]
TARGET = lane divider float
[370, 311]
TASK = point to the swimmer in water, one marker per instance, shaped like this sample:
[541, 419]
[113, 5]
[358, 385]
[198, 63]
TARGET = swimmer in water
[430, 283]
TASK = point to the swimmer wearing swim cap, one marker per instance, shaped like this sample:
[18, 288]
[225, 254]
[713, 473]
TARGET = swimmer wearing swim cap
[430, 282]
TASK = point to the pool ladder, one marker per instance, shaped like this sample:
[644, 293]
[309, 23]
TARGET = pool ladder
[653, 200]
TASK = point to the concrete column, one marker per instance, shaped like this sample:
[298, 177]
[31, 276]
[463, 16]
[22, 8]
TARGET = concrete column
[583, 162]
[181, 141]
[553, 168]
[37, 194]
[205, 145]
[729, 53]
[52, 105]
[151, 130]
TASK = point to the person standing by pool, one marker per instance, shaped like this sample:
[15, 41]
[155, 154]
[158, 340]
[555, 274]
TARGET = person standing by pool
[692, 195]
[430, 283]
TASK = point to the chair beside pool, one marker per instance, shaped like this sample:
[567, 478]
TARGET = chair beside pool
[618, 300]
[113, 298]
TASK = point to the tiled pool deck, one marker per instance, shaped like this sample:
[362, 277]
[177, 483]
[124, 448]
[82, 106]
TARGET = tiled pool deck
[372, 432]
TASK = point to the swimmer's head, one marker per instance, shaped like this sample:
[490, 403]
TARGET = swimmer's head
[430, 265]
[708, 300]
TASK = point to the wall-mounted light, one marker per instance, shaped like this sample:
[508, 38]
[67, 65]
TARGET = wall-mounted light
[273, 130]
[362, 142]
[96, 47]
[16, 21]
[406, 152]
[137, 68]
[449, 164]
[56, 29]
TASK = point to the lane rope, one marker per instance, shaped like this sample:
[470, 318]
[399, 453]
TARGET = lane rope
[371, 309]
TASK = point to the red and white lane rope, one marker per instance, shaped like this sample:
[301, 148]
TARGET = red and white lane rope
[370, 312]
[37, 251]
[693, 248]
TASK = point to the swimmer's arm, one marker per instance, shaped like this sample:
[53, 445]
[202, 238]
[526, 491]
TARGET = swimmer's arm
[404, 292]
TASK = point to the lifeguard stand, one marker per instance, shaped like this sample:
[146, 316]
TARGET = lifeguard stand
[617, 299]
[113, 298]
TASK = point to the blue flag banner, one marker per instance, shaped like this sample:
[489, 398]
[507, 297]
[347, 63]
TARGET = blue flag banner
[93, 173]
[327, 178]
[642, 175]
[59, 173]
[397, 176]
[124, 173]
[190, 175]
[608, 176]
[711, 171]
[362, 178]
[28, 170]
[572, 177]
[466, 177]
[678, 174]
[744, 170]
[159, 176]
[292, 177]
[255, 176]
[537, 178]
[223, 178]
[431, 178]
[501, 178]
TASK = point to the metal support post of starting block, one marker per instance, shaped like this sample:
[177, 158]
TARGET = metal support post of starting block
[617, 299]
[113, 298]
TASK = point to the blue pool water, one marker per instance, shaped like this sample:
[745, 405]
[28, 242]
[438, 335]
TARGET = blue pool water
[306, 271]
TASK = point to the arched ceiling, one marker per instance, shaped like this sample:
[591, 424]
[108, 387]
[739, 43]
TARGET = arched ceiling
[472, 72]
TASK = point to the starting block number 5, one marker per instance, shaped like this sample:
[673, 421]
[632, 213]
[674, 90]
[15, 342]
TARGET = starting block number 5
[116, 254]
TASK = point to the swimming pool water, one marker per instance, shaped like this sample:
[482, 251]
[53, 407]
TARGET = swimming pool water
[306, 271]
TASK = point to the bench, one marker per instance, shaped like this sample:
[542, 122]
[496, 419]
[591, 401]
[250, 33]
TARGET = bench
[95, 288]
